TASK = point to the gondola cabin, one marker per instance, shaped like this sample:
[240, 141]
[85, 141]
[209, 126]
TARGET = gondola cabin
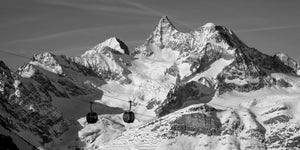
[91, 117]
[128, 116]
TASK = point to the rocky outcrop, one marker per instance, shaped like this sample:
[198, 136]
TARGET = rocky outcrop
[282, 130]
[109, 60]
[288, 61]
[198, 123]
[251, 70]
[159, 37]
[197, 127]
[65, 82]
[185, 95]
[28, 109]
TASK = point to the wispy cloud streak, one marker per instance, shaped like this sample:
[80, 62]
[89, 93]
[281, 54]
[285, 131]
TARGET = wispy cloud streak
[84, 30]
[156, 12]
[99, 7]
[268, 28]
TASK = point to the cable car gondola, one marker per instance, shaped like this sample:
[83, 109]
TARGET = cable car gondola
[128, 116]
[91, 117]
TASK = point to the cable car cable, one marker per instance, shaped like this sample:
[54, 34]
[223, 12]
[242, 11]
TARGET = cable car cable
[14, 54]
[123, 100]
[91, 113]
[127, 101]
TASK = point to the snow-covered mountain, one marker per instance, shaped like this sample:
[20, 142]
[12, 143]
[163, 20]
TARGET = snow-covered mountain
[204, 89]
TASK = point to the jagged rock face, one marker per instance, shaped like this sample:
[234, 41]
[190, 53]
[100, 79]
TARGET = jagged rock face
[250, 71]
[166, 36]
[6, 78]
[108, 59]
[57, 64]
[47, 77]
[61, 82]
[210, 128]
[288, 61]
[282, 130]
[159, 37]
[25, 109]
[213, 129]
[48, 61]
[213, 57]
[115, 44]
[184, 95]
[198, 123]
[199, 50]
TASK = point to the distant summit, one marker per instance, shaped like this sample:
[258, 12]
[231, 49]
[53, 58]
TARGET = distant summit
[113, 43]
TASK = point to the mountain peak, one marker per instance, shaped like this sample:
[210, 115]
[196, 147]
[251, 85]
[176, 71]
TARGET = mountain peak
[162, 33]
[164, 20]
[164, 24]
[43, 54]
[113, 43]
[281, 55]
[209, 25]
[287, 60]
[3, 65]
[47, 61]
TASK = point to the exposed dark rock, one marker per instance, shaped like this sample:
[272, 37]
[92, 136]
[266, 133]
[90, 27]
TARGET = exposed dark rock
[173, 70]
[185, 95]
[29, 108]
[233, 125]
[293, 143]
[152, 103]
[123, 46]
[283, 83]
[197, 123]
[276, 109]
[276, 119]
[288, 61]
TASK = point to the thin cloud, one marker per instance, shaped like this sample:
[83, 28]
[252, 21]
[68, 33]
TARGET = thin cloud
[24, 19]
[144, 8]
[85, 30]
[100, 7]
[268, 28]
[156, 12]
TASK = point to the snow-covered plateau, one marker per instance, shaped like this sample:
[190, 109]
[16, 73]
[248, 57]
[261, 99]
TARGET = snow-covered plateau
[204, 89]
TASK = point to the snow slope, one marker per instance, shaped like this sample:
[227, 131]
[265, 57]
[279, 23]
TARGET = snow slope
[248, 121]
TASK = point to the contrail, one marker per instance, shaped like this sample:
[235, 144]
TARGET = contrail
[267, 28]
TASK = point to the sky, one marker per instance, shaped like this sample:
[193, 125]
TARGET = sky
[71, 27]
